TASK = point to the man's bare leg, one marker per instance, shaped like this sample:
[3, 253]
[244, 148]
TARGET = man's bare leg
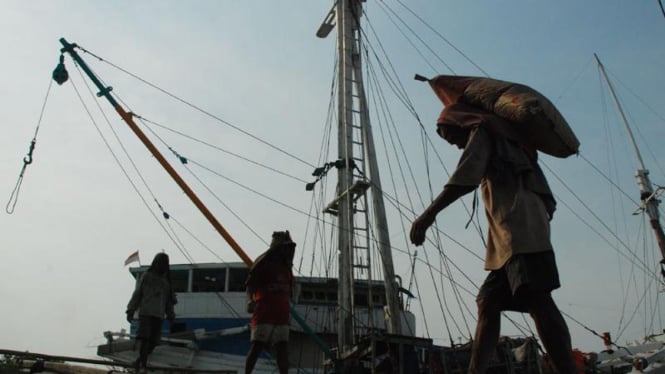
[553, 332]
[282, 350]
[254, 350]
[486, 336]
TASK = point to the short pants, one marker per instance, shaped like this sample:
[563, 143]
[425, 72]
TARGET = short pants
[270, 334]
[523, 275]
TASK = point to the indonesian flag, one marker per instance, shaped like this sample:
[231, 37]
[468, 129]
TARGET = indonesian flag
[134, 257]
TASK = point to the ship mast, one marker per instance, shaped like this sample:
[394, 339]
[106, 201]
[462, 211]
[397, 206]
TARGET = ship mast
[356, 154]
[647, 193]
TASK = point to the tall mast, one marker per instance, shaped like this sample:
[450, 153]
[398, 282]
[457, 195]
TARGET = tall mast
[356, 152]
[647, 194]
[381, 222]
[345, 48]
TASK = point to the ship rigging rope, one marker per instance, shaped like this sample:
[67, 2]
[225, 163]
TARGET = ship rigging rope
[649, 107]
[27, 160]
[443, 38]
[635, 260]
[197, 108]
[184, 160]
[167, 225]
[592, 331]
[216, 147]
[115, 157]
[608, 179]
[198, 240]
[388, 13]
[646, 290]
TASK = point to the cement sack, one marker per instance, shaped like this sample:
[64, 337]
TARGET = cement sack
[533, 114]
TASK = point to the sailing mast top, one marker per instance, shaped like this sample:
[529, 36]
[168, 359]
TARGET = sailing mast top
[647, 193]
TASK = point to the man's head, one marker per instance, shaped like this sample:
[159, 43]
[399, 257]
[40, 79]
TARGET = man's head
[282, 245]
[160, 264]
[454, 134]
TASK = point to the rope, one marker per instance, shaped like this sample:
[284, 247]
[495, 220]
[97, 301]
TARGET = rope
[117, 160]
[145, 120]
[444, 39]
[384, 6]
[592, 331]
[197, 108]
[27, 160]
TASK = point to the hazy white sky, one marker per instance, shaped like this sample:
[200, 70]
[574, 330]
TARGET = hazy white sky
[258, 65]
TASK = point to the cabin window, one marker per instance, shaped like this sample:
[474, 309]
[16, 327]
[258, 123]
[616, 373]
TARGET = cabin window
[208, 280]
[179, 280]
[307, 295]
[237, 278]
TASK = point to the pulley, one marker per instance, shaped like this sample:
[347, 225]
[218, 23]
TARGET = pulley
[60, 74]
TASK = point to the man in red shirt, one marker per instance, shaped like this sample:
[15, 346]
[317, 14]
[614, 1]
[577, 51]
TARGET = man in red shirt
[269, 294]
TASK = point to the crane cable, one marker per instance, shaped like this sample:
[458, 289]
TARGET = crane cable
[27, 160]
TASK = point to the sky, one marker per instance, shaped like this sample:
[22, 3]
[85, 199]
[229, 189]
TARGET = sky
[258, 66]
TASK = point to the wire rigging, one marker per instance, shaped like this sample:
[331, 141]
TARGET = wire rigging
[27, 160]
[218, 148]
[388, 11]
[437, 33]
[184, 161]
[122, 168]
[174, 236]
[635, 259]
[650, 108]
[197, 108]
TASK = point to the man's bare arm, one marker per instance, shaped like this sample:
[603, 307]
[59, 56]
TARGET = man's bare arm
[449, 195]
